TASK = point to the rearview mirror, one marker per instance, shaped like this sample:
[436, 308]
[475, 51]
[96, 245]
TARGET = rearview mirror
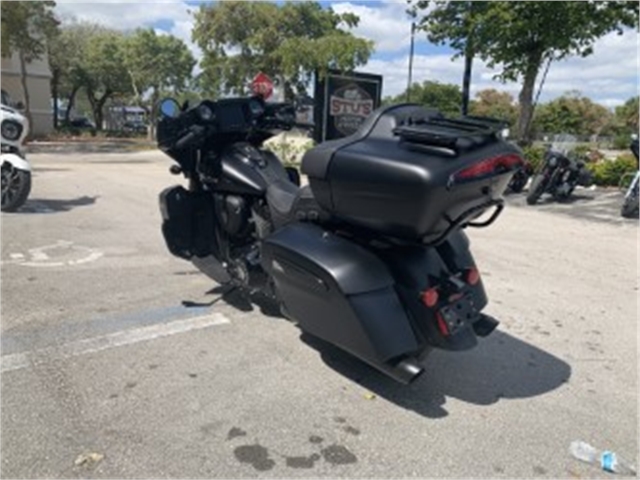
[169, 107]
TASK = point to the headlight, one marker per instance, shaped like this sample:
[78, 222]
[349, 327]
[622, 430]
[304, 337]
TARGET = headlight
[553, 161]
[11, 130]
[205, 112]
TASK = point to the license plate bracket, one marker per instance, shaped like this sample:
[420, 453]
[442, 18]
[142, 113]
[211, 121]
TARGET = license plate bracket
[458, 313]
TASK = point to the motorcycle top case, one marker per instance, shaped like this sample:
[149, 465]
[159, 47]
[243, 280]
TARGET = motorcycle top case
[398, 174]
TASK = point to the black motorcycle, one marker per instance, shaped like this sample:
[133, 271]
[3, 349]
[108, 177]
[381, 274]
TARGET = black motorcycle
[630, 206]
[559, 174]
[371, 255]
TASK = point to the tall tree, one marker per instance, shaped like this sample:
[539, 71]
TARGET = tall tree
[26, 28]
[573, 113]
[627, 115]
[442, 96]
[492, 103]
[67, 52]
[157, 63]
[287, 42]
[105, 71]
[520, 36]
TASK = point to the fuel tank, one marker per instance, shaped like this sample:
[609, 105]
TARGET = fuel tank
[247, 170]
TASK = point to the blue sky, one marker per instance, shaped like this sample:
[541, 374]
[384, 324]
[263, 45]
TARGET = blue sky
[610, 76]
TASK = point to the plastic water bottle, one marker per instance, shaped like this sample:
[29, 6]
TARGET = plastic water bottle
[608, 461]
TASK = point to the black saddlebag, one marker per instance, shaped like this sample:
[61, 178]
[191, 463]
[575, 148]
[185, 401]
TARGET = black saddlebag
[408, 172]
[339, 292]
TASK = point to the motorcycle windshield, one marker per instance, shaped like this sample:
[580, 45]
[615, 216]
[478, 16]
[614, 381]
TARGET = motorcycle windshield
[564, 144]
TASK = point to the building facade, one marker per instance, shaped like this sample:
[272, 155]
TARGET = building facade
[38, 85]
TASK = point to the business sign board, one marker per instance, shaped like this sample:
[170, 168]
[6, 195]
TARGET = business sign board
[343, 101]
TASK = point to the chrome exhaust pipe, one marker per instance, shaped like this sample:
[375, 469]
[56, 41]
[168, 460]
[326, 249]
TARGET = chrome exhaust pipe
[406, 371]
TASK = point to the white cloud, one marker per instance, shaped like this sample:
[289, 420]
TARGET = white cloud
[129, 16]
[610, 75]
[387, 24]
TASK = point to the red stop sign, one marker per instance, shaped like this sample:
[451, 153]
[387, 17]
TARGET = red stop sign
[262, 85]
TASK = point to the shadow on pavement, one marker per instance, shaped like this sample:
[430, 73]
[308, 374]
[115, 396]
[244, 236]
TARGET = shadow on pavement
[501, 366]
[240, 301]
[42, 205]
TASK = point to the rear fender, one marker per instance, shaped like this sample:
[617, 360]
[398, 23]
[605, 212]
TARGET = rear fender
[418, 269]
[16, 161]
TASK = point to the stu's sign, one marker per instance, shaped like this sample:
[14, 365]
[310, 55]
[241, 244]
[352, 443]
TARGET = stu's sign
[343, 102]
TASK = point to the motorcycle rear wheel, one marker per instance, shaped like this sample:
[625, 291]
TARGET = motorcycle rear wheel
[536, 189]
[518, 182]
[16, 186]
[630, 207]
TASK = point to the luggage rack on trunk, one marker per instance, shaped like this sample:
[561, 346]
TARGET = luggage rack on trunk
[447, 132]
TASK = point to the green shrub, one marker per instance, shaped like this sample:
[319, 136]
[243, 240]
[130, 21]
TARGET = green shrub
[588, 153]
[534, 154]
[622, 141]
[289, 153]
[609, 172]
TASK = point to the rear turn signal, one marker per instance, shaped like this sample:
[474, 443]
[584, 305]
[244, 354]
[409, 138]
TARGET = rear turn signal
[430, 297]
[473, 276]
[490, 166]
[442, 325]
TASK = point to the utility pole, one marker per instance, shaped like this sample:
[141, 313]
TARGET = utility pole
[413, 31]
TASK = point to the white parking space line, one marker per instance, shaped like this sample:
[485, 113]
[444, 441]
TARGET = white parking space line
[118, 339]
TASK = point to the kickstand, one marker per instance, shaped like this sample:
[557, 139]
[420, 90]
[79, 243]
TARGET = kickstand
[226, 291]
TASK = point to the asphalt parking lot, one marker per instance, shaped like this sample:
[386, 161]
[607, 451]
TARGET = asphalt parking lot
[107, 374]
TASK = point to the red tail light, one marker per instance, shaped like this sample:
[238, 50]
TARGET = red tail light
[489, 166]
[430, 297]
[442, 326]
[473, 276]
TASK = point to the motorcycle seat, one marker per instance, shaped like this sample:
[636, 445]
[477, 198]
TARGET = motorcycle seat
[289, 203]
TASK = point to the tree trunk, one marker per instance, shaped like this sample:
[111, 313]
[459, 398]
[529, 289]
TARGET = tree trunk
[466, 78]
[526, 100]
[70, 102]
[25, 91]
[151, 117]
[97, 106]
[54, 93]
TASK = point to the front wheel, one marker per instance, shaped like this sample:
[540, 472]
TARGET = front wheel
[536, 189]
[16, 185]
[630, 207]
[518, 181]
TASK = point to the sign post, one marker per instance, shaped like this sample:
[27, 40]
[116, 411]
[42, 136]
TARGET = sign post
[262, 85]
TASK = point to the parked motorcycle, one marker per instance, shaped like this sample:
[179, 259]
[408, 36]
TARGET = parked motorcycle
[371, 255]
[630, 207]
[560, 172]
[16, 171]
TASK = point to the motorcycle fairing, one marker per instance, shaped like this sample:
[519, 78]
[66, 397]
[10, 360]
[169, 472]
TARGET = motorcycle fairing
[16, 161]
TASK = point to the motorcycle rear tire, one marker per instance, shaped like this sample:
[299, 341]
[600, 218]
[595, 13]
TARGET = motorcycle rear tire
[518, 182]
[16, 191]
[536, 189]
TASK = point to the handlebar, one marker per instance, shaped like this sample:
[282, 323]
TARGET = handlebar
[195, 133]
[233, 118]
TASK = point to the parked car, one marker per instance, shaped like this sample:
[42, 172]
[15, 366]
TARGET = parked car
[135, 126]
[80, 123]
